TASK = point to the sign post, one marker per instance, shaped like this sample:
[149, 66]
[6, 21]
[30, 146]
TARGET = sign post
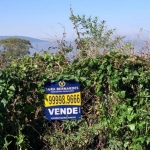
[62, 100]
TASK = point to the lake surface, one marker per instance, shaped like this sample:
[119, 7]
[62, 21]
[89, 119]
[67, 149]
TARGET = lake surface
[38, 46]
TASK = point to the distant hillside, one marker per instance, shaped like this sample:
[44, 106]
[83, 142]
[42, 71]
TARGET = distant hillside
[32, 40]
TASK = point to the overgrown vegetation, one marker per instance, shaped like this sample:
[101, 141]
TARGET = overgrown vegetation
[115, 88]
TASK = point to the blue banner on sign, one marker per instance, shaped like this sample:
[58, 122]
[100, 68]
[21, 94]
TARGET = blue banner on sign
[62, 87]
[63, 112]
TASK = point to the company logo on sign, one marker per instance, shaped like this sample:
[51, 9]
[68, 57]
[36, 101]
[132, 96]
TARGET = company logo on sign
[61, 83]
[62, 100]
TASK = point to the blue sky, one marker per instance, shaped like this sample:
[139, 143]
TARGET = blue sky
[41, 18]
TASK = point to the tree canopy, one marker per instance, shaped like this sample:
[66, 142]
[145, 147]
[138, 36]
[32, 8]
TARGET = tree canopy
[13, 48]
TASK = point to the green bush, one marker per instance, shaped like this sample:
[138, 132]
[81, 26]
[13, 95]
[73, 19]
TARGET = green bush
[115, 104]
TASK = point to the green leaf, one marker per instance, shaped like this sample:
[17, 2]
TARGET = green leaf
[130, 117]
[140, 139]
[132, 127]
[35, 66]
[122, 94]
[12, 88]
[139, 147]
[78, 72]
[129, 110]
[148, 140]
[4, 101]
[126, 144]
[91, 63]
[6, 143]
[88, 82]
[82, 78]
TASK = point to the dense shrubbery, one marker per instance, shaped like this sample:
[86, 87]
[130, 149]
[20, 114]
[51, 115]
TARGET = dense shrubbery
[115, 103]
[115, 90]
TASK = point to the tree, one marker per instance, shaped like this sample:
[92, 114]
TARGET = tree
[93, 37]
[13, 48]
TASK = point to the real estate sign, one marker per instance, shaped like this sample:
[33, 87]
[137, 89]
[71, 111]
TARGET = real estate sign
[62, 100]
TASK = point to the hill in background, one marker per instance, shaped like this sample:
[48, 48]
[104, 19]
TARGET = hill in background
[32, 40]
